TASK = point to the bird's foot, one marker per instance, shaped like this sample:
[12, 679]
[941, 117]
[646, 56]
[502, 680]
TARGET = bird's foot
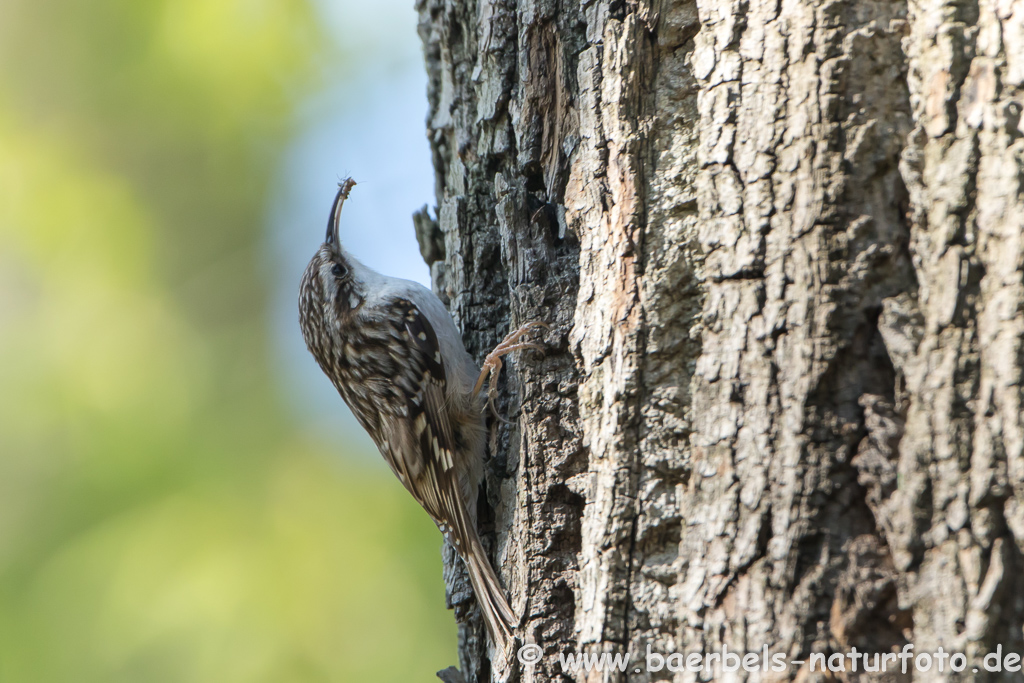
[493, 364]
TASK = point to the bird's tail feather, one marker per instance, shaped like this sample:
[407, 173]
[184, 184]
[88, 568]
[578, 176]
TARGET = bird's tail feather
[489, 594]
[496, 611]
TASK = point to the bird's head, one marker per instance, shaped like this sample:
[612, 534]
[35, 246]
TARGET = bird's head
[331, 291]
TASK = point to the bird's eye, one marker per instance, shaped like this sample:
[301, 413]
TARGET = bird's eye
[338, 270]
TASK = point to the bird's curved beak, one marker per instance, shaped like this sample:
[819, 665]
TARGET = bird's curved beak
[344, 187]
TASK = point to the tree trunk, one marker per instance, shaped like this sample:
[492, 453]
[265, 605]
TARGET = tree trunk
[779, 243]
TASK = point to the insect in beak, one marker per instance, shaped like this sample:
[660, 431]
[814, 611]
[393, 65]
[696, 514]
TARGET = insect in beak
[344, 187]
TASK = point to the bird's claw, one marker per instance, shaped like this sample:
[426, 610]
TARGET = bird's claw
[493, 364]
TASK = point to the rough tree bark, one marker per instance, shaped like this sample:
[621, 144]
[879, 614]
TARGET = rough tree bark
[779, 243]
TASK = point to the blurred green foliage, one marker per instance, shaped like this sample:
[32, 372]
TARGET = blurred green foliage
[161, 518]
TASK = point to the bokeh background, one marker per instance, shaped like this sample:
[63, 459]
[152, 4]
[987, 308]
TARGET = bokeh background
[183, 496]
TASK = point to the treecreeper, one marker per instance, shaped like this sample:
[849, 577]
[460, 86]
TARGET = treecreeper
[394, 354]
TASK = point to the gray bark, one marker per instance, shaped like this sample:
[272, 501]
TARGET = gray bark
[779, 243]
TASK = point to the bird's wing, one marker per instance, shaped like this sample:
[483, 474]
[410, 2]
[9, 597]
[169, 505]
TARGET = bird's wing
[422, 447]
[422, 443]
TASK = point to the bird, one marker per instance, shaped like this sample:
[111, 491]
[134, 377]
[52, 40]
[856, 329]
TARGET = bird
[393, 352]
